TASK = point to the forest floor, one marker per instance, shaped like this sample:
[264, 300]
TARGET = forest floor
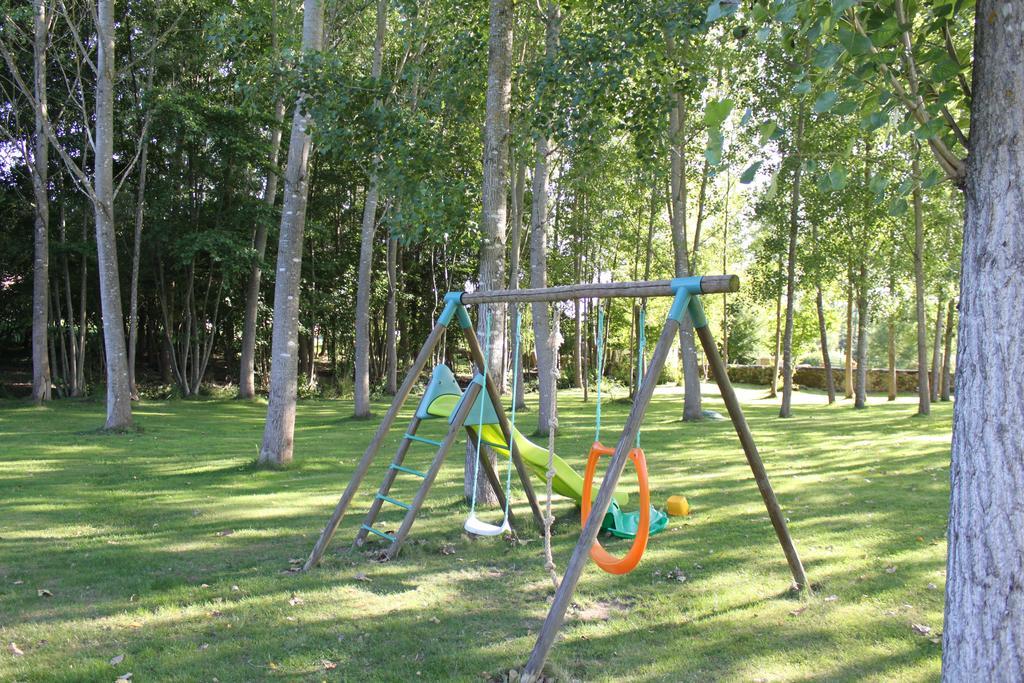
[166, 553]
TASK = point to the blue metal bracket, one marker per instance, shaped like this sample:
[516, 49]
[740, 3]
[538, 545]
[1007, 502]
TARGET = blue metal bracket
[687, 300]
[690, 284]
[453, 308]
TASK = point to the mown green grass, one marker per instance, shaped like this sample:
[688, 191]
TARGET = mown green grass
[170, 548]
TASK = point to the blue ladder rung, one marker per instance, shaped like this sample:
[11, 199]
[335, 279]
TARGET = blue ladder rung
[408, 470]
[413, 437]
[369, 528]
[381, 496]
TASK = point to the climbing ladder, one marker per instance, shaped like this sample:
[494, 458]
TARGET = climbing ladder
[397, 466]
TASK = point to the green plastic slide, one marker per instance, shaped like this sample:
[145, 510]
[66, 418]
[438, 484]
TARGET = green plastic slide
[567, 482]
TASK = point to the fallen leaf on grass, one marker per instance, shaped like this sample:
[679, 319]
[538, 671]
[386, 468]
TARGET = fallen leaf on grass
[921, 629]
[204, 646]
[216, 613]
[125, 677]
[360, 576]
[891, 569]
[14, 649]
[134, 624]
[832, 598]
[295, 600]
[116, 659]
[43, 593]
[677, 575]
[295, 560]
[448, 549]
[328, 664]
[235, 588]
[204, 585]
[18, 582]
[226, 532]
[798, 611]
[932, 586]
[434, 620]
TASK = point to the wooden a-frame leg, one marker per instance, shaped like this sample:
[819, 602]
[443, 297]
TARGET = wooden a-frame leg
[371, 451]
[718, 369]
[477, 356]
[581, 553]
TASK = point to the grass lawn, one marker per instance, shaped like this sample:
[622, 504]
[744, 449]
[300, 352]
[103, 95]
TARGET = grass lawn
[168, 548]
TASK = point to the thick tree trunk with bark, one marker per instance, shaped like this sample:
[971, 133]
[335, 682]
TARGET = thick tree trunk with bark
[494, 216]
[41, 234]
[250, 323]
[539, 244]
[279, 431]
[924, 405]
[982, 635]
[369, 228]
[794, 222]
[119, 401]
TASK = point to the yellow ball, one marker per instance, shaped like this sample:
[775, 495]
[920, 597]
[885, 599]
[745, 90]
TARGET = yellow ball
[678, 506]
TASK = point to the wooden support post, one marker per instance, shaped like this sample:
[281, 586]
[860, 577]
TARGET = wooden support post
[477, 356]
[718, 369]
[371, 451]
[421, 494]
[581, 554]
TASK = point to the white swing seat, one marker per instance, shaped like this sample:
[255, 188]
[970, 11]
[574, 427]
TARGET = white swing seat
[478, 527]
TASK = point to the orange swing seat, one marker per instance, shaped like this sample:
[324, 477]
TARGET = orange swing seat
[604, 559]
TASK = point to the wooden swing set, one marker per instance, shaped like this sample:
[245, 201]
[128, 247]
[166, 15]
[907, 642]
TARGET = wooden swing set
[686, 293]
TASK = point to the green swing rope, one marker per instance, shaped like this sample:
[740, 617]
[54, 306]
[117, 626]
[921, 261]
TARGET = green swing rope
[600, 369]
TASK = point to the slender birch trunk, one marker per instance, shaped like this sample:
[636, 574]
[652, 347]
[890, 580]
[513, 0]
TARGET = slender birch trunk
[948, 352]
[923, 391]
[860, 386]
[391, 321]
[518, 191]
[119, 402]
[278, 434]
[538, 243]
[848, 359]
[940, 307]
[369, 229]
[41, 236]
[794, 214]
[140, 204]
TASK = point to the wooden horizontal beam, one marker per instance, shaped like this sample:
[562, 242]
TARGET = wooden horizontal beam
[709, 284]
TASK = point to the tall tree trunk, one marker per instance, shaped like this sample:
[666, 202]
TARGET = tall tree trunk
[848, 360]
[947, 355]
[279, 431]
[677, 178]
[539, 242]
[250, 323]
[985, 573]
[494, 214]
[924, 406]
[861, 385]
[140, 204]
[794, 216]
[937, 348]
[41, 235]
[74, 388]
[773, 386]
[518, 191]
[119, 401]
[892, 358]
[819, 303]
[391, 320]
[369, 228]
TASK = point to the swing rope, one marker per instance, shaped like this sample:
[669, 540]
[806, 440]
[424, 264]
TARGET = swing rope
[600, 369]
[640, 364]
